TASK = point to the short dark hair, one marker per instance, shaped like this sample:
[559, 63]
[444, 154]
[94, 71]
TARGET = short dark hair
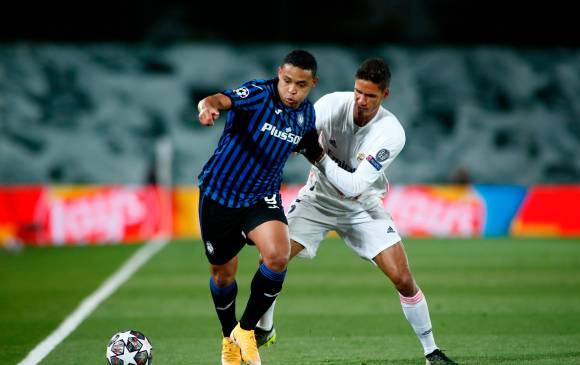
[375, 70]
[301, 58]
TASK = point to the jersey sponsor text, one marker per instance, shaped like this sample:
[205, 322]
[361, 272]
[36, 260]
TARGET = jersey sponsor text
[283, 135]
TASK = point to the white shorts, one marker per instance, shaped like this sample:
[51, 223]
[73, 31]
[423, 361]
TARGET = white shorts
[367, 232]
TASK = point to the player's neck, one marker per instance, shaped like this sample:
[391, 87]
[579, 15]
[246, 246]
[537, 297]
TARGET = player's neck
[362, 120]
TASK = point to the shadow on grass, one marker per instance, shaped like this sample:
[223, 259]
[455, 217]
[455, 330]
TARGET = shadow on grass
[553, 358]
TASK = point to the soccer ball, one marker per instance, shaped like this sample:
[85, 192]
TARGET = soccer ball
[129, 348]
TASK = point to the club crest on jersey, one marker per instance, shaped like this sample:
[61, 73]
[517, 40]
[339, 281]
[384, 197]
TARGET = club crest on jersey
[242, 92]
[383, 155]
[284, 135]
[300, 119]
[361, 156]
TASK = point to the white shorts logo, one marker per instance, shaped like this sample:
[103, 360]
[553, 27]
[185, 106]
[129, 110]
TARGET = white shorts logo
[242, 92]
[209, 247]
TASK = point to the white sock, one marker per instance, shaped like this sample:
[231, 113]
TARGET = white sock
[417, 313]
[267, 320]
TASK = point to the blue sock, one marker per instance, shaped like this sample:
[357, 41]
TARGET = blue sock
[224, 300]
[266, 285]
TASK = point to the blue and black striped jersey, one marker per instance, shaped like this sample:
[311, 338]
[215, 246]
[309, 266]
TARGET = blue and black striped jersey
[259, 135]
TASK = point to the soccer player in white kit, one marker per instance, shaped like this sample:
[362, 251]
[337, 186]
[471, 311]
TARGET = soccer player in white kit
[344, 192]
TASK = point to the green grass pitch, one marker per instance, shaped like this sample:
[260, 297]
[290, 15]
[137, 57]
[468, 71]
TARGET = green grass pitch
[494, 301]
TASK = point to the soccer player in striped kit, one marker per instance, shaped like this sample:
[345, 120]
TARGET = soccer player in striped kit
[239, 191]
[344, 193]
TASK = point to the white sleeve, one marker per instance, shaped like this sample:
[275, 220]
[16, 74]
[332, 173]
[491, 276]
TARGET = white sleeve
[352, 184]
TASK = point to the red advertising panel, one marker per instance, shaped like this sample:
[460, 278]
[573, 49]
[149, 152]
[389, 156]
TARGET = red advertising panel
[440, 211]
[17, 213]
[549, 210]
[113, 214]
[93, 214]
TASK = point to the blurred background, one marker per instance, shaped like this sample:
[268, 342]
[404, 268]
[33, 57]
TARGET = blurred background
[486, 90]
[103, 93]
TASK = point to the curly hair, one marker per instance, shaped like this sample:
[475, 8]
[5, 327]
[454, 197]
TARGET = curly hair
[375, 70]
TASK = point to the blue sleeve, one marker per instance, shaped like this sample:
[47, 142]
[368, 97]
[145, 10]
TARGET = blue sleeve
[248, 96]
[311, 117]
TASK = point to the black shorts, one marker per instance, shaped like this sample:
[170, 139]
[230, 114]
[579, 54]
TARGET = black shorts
[224, 230]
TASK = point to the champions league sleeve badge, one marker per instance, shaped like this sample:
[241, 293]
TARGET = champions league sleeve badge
[242, 92]
[383, 155]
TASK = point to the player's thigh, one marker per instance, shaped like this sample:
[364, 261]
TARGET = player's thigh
[369, 237]
[221, 231]
[308, 224]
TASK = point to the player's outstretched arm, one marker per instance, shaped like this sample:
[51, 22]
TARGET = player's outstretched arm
[351, 184]
[209, 108]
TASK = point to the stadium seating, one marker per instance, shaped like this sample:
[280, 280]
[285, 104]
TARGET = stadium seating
[92, 113]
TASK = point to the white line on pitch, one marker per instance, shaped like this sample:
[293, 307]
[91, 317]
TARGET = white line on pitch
[89, 304]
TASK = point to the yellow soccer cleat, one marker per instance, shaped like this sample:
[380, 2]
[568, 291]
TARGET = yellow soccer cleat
[231, 354]
[246, 340]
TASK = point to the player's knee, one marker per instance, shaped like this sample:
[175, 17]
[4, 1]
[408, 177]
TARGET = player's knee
[277, 262]
[405, 284]
[222, 278]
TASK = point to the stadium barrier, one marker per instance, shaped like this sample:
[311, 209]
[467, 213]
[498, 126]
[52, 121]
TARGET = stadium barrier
[62, 215]
[453, 211]
[76, 215]
[549, 210]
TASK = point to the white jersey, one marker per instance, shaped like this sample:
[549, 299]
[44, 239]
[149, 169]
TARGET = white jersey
[361, 153]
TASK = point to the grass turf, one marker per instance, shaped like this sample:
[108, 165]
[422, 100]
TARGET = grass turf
[39, 287]
[495, 301]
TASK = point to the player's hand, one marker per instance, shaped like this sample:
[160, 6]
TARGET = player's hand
[207, 116]
[313, 152]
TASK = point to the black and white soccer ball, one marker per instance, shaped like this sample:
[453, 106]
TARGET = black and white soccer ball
[129, 348]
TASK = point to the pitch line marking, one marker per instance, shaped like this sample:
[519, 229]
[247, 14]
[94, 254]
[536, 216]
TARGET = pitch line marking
[90, 303]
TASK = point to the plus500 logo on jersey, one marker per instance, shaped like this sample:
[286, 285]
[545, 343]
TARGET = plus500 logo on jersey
[283, 135]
